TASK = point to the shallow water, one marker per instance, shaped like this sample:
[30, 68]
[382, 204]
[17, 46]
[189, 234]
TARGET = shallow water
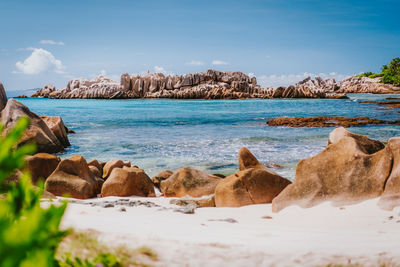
[158, 134]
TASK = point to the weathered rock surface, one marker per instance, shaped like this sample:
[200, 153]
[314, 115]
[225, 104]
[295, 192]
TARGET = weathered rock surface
[3, 97]
[38, 131]
[189, 181]
[73, 177]
[45, 91]
[114, 163]
[253, 184]
[94, 163]
[41, 165]
[350, 169]
[210, 84]
[364, 85]
[128, 181]
[164, 175]
[58, 128]
[322, 121]
[391, 194]
[199, 202]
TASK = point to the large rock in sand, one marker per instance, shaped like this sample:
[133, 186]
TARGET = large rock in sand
[253, 184]
[56, 125]
[73, 177]
[37, 132]
[350, 169]
[41, 165]
[164, 175]
[128, 181]
[391, 194]
[189, 181]
[112, 164]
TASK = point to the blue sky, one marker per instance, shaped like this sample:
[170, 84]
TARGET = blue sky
[278, 41]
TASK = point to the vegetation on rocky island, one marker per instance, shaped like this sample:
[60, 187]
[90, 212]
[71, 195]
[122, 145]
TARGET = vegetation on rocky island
[390, 73]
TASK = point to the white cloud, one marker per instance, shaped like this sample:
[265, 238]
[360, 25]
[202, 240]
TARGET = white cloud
[103, 72]
[51, 42]
[195, 63]
[40, 61]
[158, 69]
[275, 80]
[219, 62]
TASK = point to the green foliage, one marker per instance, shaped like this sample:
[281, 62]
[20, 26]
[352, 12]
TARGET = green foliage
[102, 260]
[390, 73]
[29, 234]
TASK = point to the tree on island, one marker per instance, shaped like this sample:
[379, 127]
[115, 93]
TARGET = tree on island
[390, 73]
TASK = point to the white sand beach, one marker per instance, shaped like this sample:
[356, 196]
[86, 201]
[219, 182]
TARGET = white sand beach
[247, 236]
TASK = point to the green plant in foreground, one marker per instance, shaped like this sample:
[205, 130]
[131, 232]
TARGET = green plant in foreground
[29, 234]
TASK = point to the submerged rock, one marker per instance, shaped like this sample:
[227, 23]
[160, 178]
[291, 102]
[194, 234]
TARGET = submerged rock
[350, 169]
[322, 121]
[189, 181]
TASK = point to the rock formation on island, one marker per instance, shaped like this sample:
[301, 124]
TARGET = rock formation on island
[357, 84]
[211, 84]
[48, 133]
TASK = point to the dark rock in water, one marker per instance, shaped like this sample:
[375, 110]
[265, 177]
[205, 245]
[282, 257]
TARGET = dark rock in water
[22, 96]
[321, 121]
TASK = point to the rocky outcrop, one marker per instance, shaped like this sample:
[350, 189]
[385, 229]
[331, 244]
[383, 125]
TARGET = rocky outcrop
[391, 194]
[128, 181]
[73, 178]
[253, 184]
[95, 164]
[45, 91]
[3, 97]
[322, 121]
[364, 85]
[164, 175]
[112, 164]
[350, 169]
[189, 181]
[38, 131]
[211, 84]
[306, 88]
[58, 128]
[41, 165]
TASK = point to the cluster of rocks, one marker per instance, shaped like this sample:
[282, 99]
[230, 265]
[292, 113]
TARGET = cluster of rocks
[48, 133]
[211, 84]
[326, 121]
[364, 85]
[352, 168]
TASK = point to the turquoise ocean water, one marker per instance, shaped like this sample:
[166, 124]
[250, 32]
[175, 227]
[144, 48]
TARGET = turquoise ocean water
[158, 134]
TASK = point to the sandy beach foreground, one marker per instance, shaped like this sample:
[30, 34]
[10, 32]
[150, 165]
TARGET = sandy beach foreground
[246, 236]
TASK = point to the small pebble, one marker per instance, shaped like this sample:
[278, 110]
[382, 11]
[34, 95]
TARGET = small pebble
[122, 209]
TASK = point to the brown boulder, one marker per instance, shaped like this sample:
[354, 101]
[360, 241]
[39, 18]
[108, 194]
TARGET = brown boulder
[253, 184]
[73, 177]
[128, 181]
[350, 169]
[41, 165]
[98, 165]
[3, 97]
[189, 181]
[164, 175]
[96, 172]
[114, 163]
[37, 132]
[391, 194]
[56, 125]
